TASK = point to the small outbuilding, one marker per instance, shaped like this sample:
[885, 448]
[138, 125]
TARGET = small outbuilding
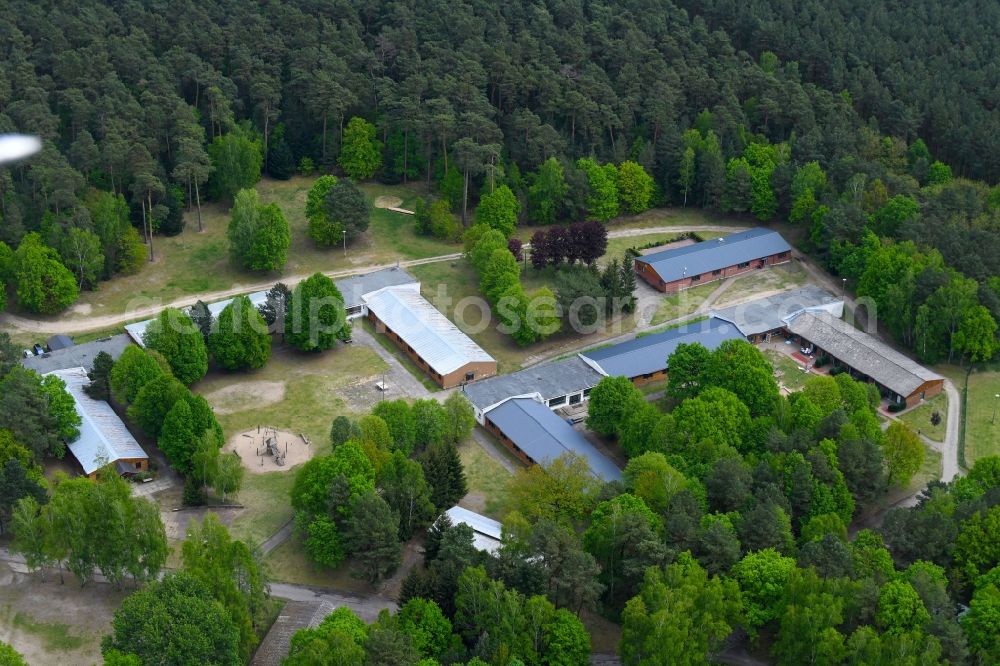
[104, 439]
[486, 532]
[682, 267]
[57, 342]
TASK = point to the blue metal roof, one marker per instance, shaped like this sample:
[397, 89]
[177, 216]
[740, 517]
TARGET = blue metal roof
[540, 433]
[712, 255]
[649, 354]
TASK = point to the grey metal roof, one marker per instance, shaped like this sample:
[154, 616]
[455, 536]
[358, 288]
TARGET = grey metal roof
[540, 433]
[352, 288]
[551, 380]
[710, 255]
[862, 352]
[432, 336]
[59, 342]
[356, 286]
[103, 437]
[77, 356]
[649, 354]
[486, 532]
[771, 312]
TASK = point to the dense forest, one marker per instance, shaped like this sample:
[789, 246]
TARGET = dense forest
[829, 116]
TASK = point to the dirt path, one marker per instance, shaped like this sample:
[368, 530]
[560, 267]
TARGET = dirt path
[949, 449]
[85, 324]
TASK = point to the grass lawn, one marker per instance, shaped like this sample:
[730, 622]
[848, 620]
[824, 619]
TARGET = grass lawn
[930, 471]
[618, 246]
[195, 262]
[267, 502]
[982, 436]
[487, 479]
[453, 288]
[661, 217]
[288, 563]
[295, 391]
[919, 418]
[790, 373]
[759, 283]
[682, 303]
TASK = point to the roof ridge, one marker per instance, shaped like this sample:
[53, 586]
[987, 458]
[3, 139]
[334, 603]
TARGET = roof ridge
[865, 339]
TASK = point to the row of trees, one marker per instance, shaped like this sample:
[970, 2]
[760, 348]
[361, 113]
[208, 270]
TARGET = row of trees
[389, 475]
[527, 318]
[182, 422]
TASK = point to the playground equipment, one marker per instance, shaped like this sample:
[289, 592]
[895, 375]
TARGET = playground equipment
[271, 446]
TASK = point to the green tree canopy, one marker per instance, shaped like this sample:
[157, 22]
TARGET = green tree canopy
[240, 341]
[176, 337]
[44, 285]
[680, 616]
[499, 210]
[175, 620]
[236, 162]
[316, 317]
[360, 153]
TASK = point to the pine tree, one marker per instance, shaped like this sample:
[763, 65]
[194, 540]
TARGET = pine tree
[202, 318]
[443, 471]
[628, 285]
[99, 387]
[177, 438]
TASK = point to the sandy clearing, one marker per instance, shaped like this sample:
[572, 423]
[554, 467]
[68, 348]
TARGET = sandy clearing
[238, 397]
[252, 451]
[387, 202]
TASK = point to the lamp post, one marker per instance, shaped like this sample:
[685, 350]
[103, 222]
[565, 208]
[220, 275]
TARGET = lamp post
[994, 419]
[345, 241]
[843, 288]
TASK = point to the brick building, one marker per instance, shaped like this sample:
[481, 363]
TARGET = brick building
[679, 268]
[436, 345]
[644, 359]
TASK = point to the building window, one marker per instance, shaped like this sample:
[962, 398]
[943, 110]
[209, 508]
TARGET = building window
[555, 402]
[575, 399]
[717, 271]
[586, 393]
[138, 465]
[695, 278]
[469, 376]
[647, 375]
[743, 264]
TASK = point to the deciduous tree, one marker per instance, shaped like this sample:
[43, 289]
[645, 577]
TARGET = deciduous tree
[240, 341]
[176, 337]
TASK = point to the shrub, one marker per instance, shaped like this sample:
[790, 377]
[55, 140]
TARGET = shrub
[897, 407]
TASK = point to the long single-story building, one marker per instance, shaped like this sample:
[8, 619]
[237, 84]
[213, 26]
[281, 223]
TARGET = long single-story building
[761, 318]
[424, 334]
[353, 288]
[537, 436]
[899, 377]
[558, 384]
[103, 439]
[77, 356]
[486, 532]
[644, 359]
[681, 267]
